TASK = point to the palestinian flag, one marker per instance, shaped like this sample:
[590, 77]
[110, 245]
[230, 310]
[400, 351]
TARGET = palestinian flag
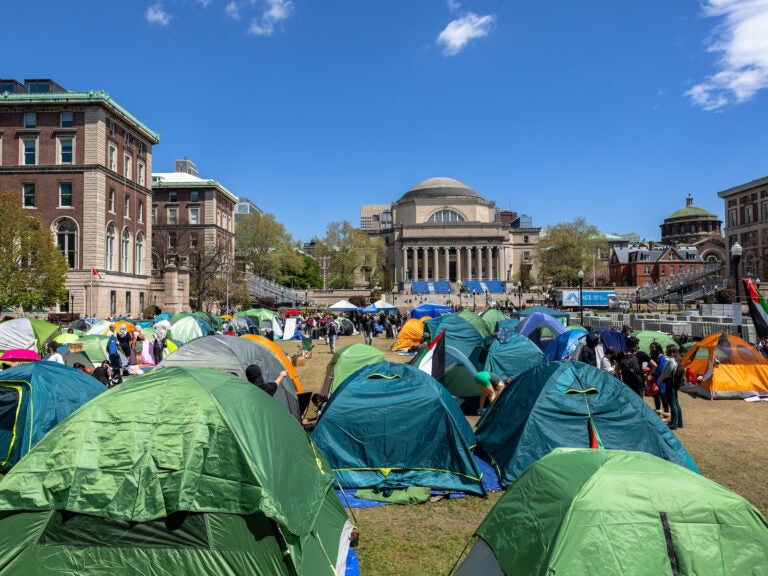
[432, 360]
[758, 309]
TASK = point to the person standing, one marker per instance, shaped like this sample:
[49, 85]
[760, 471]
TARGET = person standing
[333, 334]
[588, 353]
[112, 347]
[368, 329]
[657, 365]
[674, 378]
[53, 354]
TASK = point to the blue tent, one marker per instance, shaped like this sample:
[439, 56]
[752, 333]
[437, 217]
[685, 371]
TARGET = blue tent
[562, 347]
[532, 325]
[390, 425]
[573, 405]
[512, 354]
[534, 309]
[431, 309]
[34, 397]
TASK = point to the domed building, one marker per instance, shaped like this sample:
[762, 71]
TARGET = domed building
[690, 225]
[444, 231]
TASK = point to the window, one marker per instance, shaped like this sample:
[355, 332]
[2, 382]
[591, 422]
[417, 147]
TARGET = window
[194, 215]
[173, 214]
[141, 300]
[125, 243]
[154, 215]
[128, 303]
[525, 239]
[140, 211]
[172, 239]
[29, 195]
[29, 150]
[109, 251]
[646, 270]
[127, 166]
[65, 194]
[111, 200]
[526, 255]
[127, 139]
[172, 197]
[140, 170]
[66, 120]
[65, 150]
[112, 160]
[748, 214]
[30, 120]
[663, 270]
[66, 234]
[140, 255]
[194, 196]
[111, 128]
[112, 303]
[731, 218]
[141, 147]
[446, 216]
[37, 87]
[127, 207]
[193, 240]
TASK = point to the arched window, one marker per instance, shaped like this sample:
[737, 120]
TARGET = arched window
[66, 240]
[140, 253]
[109, 250]
[125, 251]
[445, 215]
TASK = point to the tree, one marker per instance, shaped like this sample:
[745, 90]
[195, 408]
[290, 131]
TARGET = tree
[32, 268]
[567, 247]
[264, 247]
[355, 258]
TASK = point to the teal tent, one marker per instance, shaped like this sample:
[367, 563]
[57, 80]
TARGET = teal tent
[35, 397]
[347, 360]
[510, 354]
[189, 327]
[563, 347]
[570, 404]
[617, 513]
[390, 426]
[179, 471]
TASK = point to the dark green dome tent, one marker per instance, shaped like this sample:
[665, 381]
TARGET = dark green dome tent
[34, 398]
[390, 425]
[570, 404]
[347, 360]
[178, 471]
[617, 513]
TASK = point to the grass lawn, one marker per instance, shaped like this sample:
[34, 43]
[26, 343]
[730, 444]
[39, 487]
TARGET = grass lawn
[724, 438]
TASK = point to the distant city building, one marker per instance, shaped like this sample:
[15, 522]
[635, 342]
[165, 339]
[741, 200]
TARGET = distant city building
[244, 207]
[191, 216]
[746, 221]
[649, 264]
[375, 217]
[83, 163]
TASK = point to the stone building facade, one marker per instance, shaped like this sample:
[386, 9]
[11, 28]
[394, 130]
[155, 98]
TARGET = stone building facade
[746, 221]
[83, 164]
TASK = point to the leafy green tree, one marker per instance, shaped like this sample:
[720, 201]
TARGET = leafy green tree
[264, 247]
[32, 268]
[567, 247]
[354, 259]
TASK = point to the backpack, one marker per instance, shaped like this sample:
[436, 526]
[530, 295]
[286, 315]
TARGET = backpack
[631, 372]
[678, 376]
[332, 329]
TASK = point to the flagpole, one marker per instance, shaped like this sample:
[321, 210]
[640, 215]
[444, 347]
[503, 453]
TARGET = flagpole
[90, 295]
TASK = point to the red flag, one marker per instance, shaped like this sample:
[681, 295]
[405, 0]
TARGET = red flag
[594, 437]
[95, 272]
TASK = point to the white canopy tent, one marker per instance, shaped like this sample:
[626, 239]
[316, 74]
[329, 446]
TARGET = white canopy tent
[343, 306]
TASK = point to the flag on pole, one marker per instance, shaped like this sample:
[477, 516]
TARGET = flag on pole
[95, 272]
[432, 360]
[758, 309]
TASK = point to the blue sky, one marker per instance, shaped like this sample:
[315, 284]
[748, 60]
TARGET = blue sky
[610, 110]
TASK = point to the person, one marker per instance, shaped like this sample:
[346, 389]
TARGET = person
[368, 329]
[103, 373]
[333, 334]
[112, 347]
[674, 380]
[158, 344]
[484, 381]
[657, 365]
[631, 367]
[318, 401]
[53, 354]
[82, 367]
[588, 353]
[254, 376]
[608, 362]
[124, 340]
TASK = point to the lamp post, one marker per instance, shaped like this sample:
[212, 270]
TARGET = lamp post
[306, 295]
[682, 288]
[669, 303]
[581, 304]
[71, 305]
[637, 299]
[550, 299]
[474, 303]
[519, 294]
[736, 250]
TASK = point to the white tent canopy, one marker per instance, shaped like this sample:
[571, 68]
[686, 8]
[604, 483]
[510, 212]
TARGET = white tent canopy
[343, 306]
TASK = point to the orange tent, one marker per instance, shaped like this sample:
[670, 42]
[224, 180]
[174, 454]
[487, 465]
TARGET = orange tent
[728, 367]
[410, 334]
[284, 359]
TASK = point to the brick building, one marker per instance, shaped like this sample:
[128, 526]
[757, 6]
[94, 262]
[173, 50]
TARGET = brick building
[83, 164]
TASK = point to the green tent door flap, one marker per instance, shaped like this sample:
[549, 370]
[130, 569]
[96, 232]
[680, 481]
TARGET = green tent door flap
[14, 400]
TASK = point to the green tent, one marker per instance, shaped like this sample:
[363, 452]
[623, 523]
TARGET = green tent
[392, 426]
[347, 360]
[617, 513]
[648, 336]
[26, 333]
[179, 471]
[264, 315]
[492, 317]
[570, 404]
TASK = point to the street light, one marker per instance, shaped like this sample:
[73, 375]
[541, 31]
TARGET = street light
[736, 250]
[306, 296]
[669, 303]
[519, 294]
[71, 305]
[581, 304]
[474, 303]
[637, 299]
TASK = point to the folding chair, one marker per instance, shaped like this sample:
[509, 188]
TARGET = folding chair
[305, 348]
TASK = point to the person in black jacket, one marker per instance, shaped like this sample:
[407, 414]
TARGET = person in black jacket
[588, 353]
[254, 376]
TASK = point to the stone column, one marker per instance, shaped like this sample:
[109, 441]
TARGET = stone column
[459, 277]
[404, 264]
[488, 263]
[478, 263]
[447, 262]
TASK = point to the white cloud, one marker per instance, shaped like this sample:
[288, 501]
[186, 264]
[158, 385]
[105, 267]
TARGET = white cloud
[742, 42]
[459, 32]
[156, 14]
[232, 10]
[273, 11]
[453, 5]
[204, 3]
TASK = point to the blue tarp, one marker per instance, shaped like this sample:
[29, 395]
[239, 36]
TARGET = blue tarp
[431, 309]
